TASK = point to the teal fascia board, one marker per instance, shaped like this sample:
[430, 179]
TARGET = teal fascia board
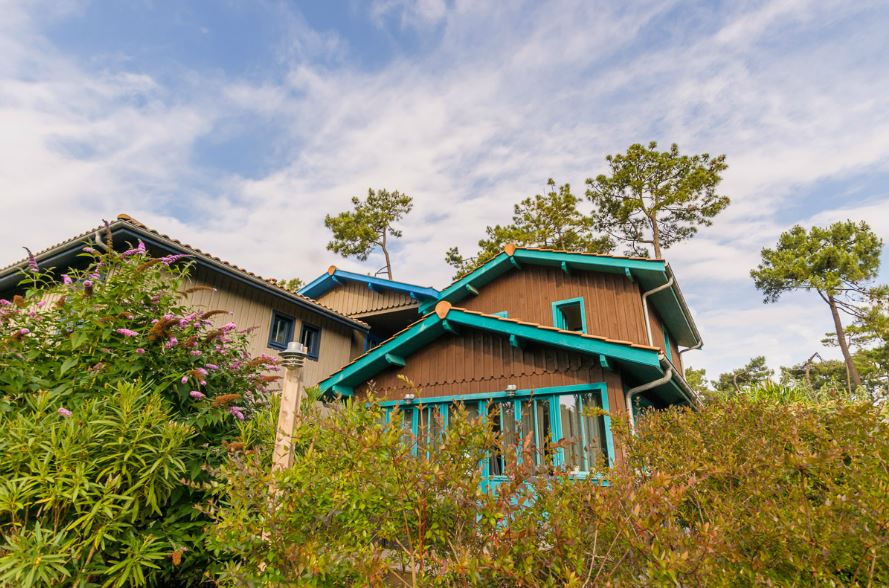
[648, 273]
[642, 361]
[326, 282]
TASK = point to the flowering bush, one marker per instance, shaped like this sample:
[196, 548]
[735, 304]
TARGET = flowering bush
[72, 339]
[747, 491]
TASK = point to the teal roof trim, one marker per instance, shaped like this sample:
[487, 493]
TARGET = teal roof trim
[645, 361]
[648, 273]
[328, 281]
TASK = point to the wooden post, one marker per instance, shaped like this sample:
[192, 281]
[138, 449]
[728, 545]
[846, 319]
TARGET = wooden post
[291, 398]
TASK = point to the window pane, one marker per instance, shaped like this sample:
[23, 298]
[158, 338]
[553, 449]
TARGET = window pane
[594, 426]
[311, 338]
[407, 426]
[502, 417]
[434, 428]
[526, 427]
[569, 412]
[543, 432]
[572, 317]
[281, 329]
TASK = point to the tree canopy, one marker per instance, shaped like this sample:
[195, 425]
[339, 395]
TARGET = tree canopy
[836, 261]
[656, 198]
[550, 220]
[754, 373]
[357, 232]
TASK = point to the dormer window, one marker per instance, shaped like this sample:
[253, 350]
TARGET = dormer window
[568, 315]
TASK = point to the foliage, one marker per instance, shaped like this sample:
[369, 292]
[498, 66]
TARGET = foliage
[89, 497]
[293, 284]
[368, 225]
[754, 373]
[697, 379]
[550, 220]
[656, 198]
[765, 488]
[836, 262]
[75, 339]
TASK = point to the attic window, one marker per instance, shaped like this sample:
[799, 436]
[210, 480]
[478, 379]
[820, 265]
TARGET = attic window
[568, 315]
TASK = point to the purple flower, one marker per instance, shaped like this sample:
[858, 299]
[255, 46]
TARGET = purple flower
[229, 327]
[172, 342]
[140, 351]
[95, 276]
[32, 313]
[41, 304]
[236, 412]
[184, 379]
[201, 371]
[211, 366]
[4, 302]
[136, 250]
[90, 250]
[24, 331]
[203, 382]
[197, 395]
[32, 262]
[196, 352]
[64, 412]
[66, 280]
[88, 287]
[171, 259]
[127, 332]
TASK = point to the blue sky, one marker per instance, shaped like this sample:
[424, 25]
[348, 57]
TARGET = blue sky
[237, 125]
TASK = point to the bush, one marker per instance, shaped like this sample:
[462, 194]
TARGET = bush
[74, 345]
[747, 491]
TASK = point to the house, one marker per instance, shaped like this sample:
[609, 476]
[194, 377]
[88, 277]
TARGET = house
[532, 338]
[276, 315]
[387, 306]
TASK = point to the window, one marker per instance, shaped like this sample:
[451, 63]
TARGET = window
[568, 315]
[281, 332]
[311, 338]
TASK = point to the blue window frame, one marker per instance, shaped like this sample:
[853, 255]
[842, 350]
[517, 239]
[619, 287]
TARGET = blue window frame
[311, 338]
[570, 315]
[280, 330]
[553, 414]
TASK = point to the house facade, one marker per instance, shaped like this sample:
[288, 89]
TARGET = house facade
[532, 339]
[273, 315]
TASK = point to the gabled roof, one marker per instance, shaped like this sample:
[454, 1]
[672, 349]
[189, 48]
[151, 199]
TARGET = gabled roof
[649, 273]
[336, 277]
[646, 363]
[127, 229]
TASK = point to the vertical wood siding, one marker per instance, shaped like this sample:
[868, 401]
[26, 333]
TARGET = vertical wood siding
[613, 304]
[252, 308]
[355, 298]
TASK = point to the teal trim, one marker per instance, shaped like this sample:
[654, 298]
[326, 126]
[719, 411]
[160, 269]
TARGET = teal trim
[629, 274]
[430, 327]
[609, 439]
[502, 314]
[395, 360]
[565, 268]
[667, 350]
[603, 361]
[497, 395]
[558, 319]
[516, 342]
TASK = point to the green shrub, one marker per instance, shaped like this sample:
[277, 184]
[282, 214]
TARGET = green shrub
[72, 342]
[754, 490]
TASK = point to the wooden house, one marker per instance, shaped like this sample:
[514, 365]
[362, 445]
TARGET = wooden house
[532, 338]
[276, 315]
[387, 306]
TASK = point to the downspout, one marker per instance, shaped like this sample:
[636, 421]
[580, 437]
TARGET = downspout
[692, 348]
[668, 375]
[645, 296]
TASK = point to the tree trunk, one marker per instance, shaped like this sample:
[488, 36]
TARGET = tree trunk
[655, 236]
[844, 347]
[386, 255]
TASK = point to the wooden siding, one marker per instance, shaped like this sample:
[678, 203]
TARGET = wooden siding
[657, 336]
[613, 304]
[476, 362]
[353, 298]
[252, 308]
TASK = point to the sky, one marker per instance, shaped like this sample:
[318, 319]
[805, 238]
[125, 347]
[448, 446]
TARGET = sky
[237, 125]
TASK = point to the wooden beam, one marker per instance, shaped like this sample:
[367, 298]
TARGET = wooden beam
[393, 359]
[565, 268]
[517, 342]
[628, 274]
[372, 287]
[515, 262]
[450, 328]
[603, 361]
[471, 290]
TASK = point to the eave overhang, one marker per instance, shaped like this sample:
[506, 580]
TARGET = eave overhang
[334, 277]
[648, 273]
[643, 362]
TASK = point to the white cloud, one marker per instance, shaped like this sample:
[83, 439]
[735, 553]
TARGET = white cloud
[508, 96]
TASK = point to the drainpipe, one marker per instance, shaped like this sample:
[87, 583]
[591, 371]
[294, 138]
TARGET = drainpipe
[692, 348]
[643, 388]
[645, 307]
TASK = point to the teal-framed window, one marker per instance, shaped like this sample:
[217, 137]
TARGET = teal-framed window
[553, 414]
[570, 315]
